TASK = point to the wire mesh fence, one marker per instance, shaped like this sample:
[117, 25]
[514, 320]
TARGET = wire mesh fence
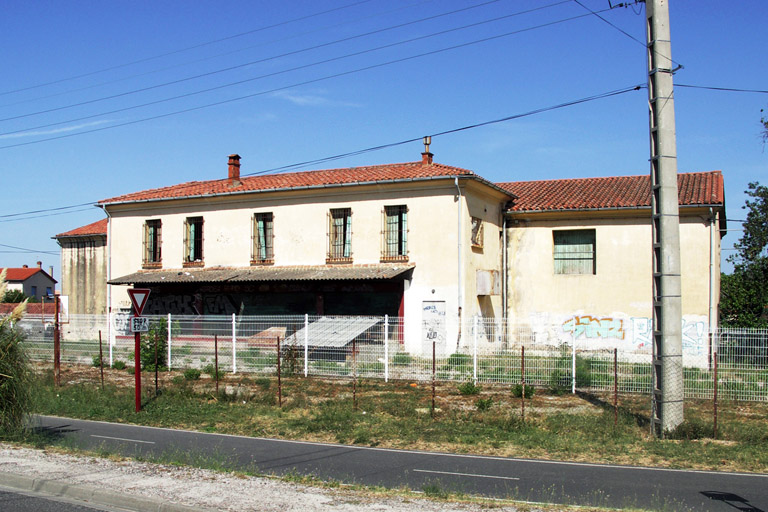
[485, 351]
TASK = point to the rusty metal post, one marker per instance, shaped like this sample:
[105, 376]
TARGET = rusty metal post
[216, 360]
[56, 342]
[354, 375]
[714, 428]
[137, 368]
[433, 378]
[101, 361]
[522, 377]
[279, 377]
[615, 387]
[155, 366]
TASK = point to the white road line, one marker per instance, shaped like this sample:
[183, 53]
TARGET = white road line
[439, 454]
[464, 474]
[123, 439]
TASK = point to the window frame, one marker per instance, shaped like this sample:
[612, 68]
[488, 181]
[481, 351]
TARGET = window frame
[339, 247]
[394, 248]
[580, 262]
[194, 242]
[476, 232]
[152, 255]
[263, 239]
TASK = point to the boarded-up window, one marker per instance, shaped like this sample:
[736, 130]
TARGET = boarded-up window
[263, 251]
[477, 232]
[394, 244]
[152, 243]
[193, 240]
[574, 251]
[340, 235]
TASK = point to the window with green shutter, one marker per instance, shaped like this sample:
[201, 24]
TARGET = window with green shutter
[574, 251]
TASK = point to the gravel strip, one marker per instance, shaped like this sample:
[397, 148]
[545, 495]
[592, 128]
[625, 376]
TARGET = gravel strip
[203, 489]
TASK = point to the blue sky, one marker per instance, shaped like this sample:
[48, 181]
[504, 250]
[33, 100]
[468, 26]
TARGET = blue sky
[295, 90]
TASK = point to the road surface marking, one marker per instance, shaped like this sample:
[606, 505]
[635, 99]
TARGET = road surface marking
[464, 474]
[123, 439]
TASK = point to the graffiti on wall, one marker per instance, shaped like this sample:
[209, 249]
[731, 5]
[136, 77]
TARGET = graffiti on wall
[636, 330]
[589, 327]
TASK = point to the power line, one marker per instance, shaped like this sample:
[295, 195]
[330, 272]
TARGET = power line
[402, 142]
[306, 82]
[24, 249]
[49, 214]
[266, 59]
[230, 52]
[726, 89]
[174, 52]
[46, 210]
[633, 38]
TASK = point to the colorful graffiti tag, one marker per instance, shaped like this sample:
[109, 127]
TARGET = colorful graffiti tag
[588, 326]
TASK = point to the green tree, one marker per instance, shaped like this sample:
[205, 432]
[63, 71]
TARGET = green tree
[744, 294]
[13, 297]
[156, 337]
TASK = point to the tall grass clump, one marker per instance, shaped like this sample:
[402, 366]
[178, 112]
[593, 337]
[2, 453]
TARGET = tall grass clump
[15, 373]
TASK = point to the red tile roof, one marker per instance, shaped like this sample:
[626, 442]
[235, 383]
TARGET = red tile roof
[409, 171]
[22, 274]
[696, 188]
[95, 228]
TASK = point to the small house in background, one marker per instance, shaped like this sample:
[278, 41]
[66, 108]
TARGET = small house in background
[33, 282]
[84, 268]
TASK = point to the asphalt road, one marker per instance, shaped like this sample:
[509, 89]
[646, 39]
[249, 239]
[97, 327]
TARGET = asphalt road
[520, 479]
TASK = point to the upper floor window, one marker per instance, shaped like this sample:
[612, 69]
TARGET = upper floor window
[193, 241]
[339, 235]
[477, 232]
[574, 251]
[263, 237]
[152, 243]
[394, 244]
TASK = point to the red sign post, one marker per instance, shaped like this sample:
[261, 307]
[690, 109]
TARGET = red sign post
[139, 298]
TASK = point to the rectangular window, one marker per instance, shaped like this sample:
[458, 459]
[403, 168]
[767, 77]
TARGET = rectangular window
[477, 232]
[394, 244]
[48, 290]
[152, 243]
[33, 291]
[263, 251]
[574, 251]
[193, 241]
[339, 235]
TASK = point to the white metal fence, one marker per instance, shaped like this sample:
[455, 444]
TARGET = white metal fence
[486, 351]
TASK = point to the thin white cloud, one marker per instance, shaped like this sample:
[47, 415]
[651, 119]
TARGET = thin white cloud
[63, 129]
[311, 100]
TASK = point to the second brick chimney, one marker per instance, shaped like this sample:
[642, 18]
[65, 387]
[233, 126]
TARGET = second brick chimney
[234, 170]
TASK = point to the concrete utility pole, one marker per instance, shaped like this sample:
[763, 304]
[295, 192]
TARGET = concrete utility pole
[667, 401]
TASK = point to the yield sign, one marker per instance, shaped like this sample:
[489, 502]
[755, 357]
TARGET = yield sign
[139, 298]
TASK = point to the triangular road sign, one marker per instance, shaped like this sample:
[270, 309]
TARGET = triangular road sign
[139, 298]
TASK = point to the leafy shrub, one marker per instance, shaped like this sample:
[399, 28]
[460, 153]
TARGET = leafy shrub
[211, 370]
[96, 361]
[517, 391]
[191, 374]
[402, 359]
[483, 404]
[469, 388]
[691, 429]
[118, 365]
[155, 338]
[559, 382]
[291, 364]
[583, 372]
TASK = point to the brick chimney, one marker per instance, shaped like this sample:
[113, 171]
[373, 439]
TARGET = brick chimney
[25, 266]
[234, 170]
[426, 156]
[40, 265]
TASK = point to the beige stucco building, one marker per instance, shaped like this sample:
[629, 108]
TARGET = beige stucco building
[417, 240]
[84, 268]
[580, 259]
[434, 245]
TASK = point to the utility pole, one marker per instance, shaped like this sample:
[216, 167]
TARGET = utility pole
[667, 399]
